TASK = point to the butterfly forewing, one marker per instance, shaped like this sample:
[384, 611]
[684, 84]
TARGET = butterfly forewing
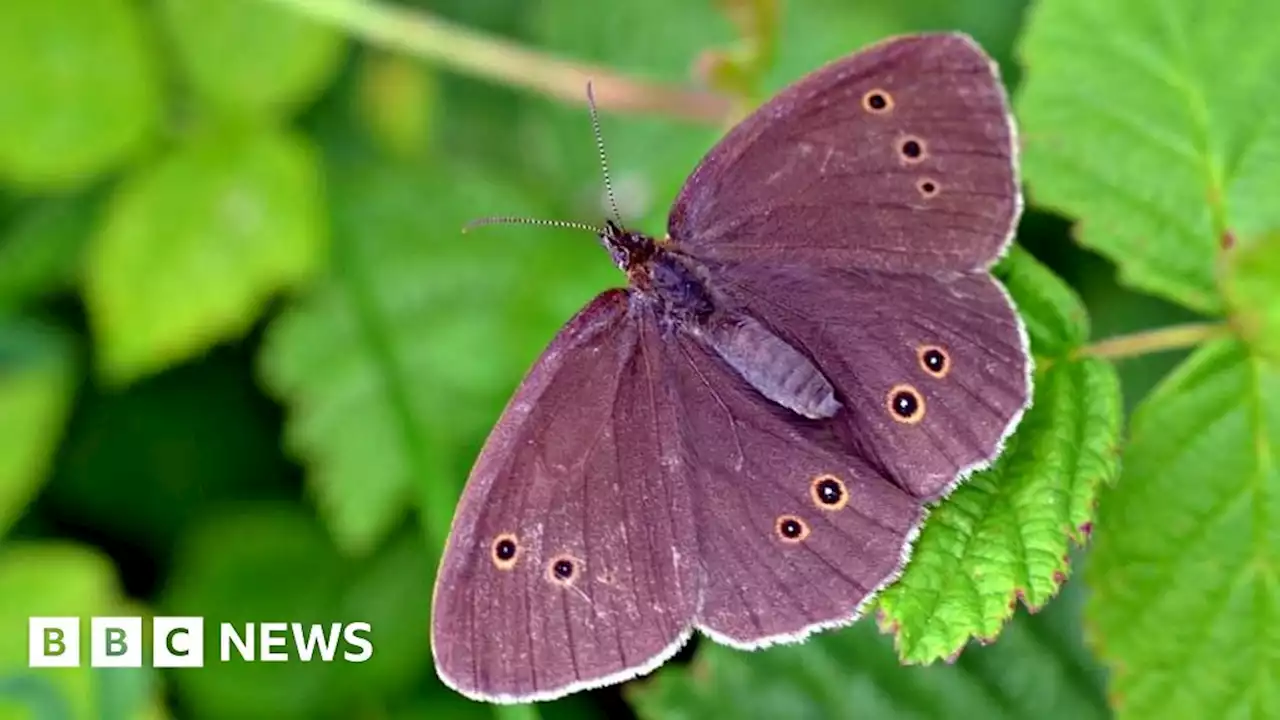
[900, 157]
[570, 561]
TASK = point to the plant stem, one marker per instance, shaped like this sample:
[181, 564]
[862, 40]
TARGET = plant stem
[489, 57]
[1152, 341]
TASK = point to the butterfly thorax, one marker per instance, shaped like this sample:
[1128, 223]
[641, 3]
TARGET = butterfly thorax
[668, 278]
[679, 288]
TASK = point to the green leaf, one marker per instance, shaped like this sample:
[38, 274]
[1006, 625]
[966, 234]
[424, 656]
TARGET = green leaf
[420, 333]
[57, 579]
[193, 246]
[1056, 320]
[250, 56]
[79, 90]
[37, 383]
[1253, 292]
[40, 255]
[261, 564]
[142, 464]
[273, 563]
[1037, 670]
[1004, 535]
[392, 592]
[1154, 124]
[1185, 604]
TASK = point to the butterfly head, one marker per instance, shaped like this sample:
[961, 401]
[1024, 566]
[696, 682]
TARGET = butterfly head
[631, 251]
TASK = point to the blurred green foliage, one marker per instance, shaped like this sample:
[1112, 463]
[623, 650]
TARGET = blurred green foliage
[246, 358]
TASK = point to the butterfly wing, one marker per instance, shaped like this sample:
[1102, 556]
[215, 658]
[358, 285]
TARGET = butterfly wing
[574, 472]
[952, 343]
[826, 172]
[795, 532]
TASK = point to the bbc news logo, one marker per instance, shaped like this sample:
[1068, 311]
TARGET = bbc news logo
[178, 642]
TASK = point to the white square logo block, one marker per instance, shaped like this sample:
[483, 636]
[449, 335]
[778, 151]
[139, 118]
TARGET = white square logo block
[115, 642]
[53, 642]
[177, 642]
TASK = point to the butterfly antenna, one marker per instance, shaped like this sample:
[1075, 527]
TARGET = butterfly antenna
[481, 222]
[604, 160]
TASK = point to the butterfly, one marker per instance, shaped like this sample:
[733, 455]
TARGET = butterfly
[745, 439]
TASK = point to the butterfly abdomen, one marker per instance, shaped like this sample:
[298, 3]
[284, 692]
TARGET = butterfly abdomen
[772, 366]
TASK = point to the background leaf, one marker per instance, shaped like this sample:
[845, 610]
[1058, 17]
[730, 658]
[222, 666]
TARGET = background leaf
[226, 577]
[192, 247]
[1004, 535]
[648, 157]
[40, 255]
[280, 59]
[61, 579]
[80, 91]
[37, 382]
[396, 98]
[144, 465]
[1184, 563]
[1152, 122]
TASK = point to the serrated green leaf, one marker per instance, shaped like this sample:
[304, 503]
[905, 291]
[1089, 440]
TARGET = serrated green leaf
[1185, 603]
[421, 333]
[1155, 124]
[57, 579]
[79, 89]
[193, 246]
[250, 56]
[1055, 317]
[1252, 289]
[37, 383]
[40, 255]
[1004, 535]
[1037, 670]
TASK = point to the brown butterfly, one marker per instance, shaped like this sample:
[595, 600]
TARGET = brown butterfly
[744, 440]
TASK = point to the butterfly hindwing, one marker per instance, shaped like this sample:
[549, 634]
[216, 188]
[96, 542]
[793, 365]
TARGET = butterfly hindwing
[794, 532]
[952, 342]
